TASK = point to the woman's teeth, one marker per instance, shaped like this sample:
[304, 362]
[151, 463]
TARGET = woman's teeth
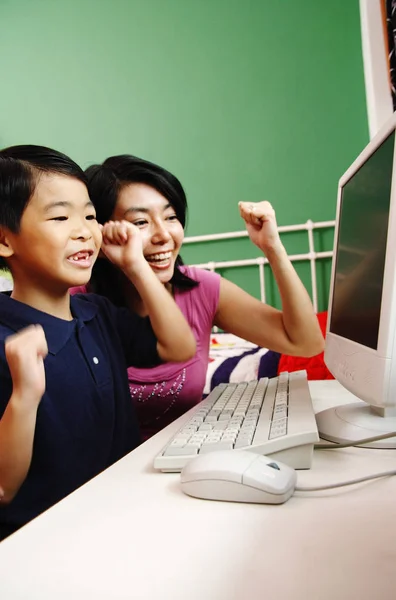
[161, 257]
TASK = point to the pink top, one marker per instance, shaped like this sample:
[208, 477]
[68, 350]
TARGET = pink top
[163, 393]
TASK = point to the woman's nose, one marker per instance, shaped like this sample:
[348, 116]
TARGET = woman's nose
[160, 233]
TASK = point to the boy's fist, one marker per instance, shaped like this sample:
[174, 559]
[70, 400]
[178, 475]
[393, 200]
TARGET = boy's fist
[25, 352]
[122, 244]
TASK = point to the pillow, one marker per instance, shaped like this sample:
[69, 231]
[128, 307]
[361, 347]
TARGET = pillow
[315, 366]
[234, 360]
[5, 284]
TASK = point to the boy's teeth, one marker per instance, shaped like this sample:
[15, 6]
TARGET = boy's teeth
[79, 256]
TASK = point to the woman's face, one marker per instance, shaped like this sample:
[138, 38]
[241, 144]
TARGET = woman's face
[162, 232]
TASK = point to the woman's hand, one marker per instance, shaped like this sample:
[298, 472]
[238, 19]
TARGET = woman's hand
[261, 225]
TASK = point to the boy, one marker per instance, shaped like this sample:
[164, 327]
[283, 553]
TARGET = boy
[65, 409]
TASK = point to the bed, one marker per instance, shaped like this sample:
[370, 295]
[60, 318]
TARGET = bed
[233, 359]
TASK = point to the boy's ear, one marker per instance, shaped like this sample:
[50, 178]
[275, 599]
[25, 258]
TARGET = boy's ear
[6, 249]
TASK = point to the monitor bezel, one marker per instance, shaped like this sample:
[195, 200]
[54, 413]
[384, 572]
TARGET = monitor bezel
[388, 316]
[342, 355]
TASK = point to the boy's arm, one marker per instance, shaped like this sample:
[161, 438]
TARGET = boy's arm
[25, 353]
[122, 245]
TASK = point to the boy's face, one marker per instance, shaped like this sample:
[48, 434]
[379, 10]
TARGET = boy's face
[59, 237]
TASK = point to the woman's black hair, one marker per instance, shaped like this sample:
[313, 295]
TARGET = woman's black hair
[105, 182]
[20, 169]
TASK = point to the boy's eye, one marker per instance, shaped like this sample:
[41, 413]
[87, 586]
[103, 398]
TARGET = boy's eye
[91, 217]
[172, 218]
[59, 219]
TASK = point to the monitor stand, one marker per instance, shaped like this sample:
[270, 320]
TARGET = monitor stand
[353, 422]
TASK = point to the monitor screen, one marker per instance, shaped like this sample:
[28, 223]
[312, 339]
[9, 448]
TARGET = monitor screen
[361, 248]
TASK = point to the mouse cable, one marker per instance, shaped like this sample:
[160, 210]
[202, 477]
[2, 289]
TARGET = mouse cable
[375, 438]
[344, 483]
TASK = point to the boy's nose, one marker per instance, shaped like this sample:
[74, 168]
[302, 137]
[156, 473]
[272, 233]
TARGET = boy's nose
[82, 231]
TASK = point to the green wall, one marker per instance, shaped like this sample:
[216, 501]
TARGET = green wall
[242, 99]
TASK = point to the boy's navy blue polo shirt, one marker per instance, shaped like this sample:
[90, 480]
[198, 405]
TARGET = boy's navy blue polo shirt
[85, 420]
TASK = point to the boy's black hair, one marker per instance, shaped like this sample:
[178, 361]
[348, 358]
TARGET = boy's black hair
[105, 182]
[20, 169]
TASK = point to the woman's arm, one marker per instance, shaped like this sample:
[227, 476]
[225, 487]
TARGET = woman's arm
[122, 245]
[295, 329]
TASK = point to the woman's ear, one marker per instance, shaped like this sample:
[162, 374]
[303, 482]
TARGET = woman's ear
[6, 249]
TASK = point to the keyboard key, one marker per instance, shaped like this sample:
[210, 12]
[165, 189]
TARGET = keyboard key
[207, 426]
[220, 426]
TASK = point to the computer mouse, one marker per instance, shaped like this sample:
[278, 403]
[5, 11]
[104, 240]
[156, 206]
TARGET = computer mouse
[238, 476]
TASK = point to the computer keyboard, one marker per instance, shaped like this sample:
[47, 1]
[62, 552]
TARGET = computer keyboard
[272, 416]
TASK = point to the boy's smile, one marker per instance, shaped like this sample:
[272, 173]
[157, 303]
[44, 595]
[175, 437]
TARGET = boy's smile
[82, 259]
[59, 237]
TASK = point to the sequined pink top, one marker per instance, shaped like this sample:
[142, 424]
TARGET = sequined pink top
[163, 393]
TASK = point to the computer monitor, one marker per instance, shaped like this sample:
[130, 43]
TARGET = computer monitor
[360, 348]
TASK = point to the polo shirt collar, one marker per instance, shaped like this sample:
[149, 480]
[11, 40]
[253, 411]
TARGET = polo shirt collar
[16, 315]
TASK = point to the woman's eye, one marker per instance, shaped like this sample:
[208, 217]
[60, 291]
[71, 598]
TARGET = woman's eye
[172, 218]
[140, 223]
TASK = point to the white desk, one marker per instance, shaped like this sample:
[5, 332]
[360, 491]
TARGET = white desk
[131, 533]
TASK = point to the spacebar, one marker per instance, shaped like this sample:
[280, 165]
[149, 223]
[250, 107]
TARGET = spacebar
[228, 445]
[180, 451]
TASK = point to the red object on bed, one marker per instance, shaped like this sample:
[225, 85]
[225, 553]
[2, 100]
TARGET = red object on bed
[315, 366]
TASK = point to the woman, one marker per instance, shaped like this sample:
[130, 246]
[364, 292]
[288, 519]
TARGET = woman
[131, 189]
